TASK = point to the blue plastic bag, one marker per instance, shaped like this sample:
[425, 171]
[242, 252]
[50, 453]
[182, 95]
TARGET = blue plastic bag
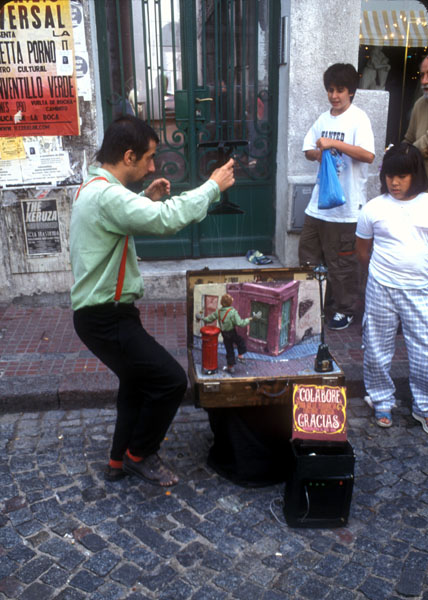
[330, 190]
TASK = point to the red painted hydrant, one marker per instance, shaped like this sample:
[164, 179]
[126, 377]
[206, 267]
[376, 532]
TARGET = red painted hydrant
[209, 349]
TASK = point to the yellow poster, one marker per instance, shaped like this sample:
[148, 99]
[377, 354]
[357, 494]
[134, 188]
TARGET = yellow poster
[12, 148]
[38, 90]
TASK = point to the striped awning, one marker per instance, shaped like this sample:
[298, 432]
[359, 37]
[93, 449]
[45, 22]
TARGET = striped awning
[394, 28]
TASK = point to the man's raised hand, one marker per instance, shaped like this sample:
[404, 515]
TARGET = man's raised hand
[158, 189]
[224, 176]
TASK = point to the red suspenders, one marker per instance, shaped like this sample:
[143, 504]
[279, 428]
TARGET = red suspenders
[225, 315]
[121, 274]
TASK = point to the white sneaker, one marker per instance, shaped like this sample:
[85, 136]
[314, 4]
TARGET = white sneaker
[422, 420]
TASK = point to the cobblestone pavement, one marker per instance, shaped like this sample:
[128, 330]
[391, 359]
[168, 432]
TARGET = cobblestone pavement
[67, 534]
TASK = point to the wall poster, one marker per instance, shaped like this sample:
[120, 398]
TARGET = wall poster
[38, 90]
[41, 227]
[34, 160]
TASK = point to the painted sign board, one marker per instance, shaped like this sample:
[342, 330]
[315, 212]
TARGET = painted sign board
[319, 412]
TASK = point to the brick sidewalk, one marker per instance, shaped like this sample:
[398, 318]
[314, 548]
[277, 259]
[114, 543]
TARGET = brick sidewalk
[43, 364]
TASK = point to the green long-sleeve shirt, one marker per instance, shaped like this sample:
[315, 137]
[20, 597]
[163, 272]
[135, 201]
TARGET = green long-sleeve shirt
[103, 214]
[231, 320]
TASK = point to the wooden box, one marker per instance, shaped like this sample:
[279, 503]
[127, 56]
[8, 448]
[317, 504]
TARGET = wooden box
[267, 377]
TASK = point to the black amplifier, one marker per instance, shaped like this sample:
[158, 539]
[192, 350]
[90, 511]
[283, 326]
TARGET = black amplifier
[318, 491]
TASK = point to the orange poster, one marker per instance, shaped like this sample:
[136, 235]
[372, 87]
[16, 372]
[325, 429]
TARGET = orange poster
[38, 91]
[319, 412]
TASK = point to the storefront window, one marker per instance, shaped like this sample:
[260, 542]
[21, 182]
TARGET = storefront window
[393, 41]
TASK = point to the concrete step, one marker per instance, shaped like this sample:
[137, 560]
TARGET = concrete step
[166, 280]
[163, 279]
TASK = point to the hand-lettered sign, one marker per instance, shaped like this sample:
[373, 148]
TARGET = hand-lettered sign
[319, 412]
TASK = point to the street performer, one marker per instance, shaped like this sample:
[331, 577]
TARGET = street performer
[106, 215]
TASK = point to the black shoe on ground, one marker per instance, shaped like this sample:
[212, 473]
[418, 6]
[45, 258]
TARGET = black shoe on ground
[340, 321]
[111, 474]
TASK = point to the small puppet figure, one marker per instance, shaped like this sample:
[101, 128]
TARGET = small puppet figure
[228, 318]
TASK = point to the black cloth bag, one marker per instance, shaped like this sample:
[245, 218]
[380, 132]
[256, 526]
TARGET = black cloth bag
[251, 445]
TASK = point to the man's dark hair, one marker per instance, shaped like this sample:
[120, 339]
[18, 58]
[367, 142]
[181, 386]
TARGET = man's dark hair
[404, 159]
[125, 133]
[342, 75]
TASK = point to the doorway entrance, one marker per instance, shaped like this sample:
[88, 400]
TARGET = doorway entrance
[203, 73]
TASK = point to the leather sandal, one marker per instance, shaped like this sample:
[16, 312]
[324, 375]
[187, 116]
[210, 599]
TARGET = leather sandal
[151, 469]
[383, 419]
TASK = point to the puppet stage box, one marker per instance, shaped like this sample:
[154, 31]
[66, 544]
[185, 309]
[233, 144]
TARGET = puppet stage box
[281, 346]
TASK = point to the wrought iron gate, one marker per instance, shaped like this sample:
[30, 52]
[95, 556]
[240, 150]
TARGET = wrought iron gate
[199, 71]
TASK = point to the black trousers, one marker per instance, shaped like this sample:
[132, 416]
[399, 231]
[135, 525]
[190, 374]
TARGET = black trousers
[151, 382]
[230, 338]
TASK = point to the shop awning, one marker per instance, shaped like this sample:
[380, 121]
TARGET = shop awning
[394, 28]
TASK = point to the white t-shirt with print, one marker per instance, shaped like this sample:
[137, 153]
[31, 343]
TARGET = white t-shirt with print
[399, 229]
[352, 127]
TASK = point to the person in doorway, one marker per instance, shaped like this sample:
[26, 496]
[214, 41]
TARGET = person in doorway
[106, 215]
[417, 132]
[328, 236]
[392, 241]
[228, 319]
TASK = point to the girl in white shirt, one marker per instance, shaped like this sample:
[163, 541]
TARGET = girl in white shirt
[392, 241]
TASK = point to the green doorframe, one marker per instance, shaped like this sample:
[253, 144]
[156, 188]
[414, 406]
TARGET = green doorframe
[188, 29]
[186, 51]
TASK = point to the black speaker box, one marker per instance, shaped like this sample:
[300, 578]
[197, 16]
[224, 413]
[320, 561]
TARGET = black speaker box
[318, 491]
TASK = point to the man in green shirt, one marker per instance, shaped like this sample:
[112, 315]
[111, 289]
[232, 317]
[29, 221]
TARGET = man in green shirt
[106, 215]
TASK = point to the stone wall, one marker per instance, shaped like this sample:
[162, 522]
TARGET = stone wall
[21, 273]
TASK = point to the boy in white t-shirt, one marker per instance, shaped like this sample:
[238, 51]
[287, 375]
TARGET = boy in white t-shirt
[392, 240]
[328, 236]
